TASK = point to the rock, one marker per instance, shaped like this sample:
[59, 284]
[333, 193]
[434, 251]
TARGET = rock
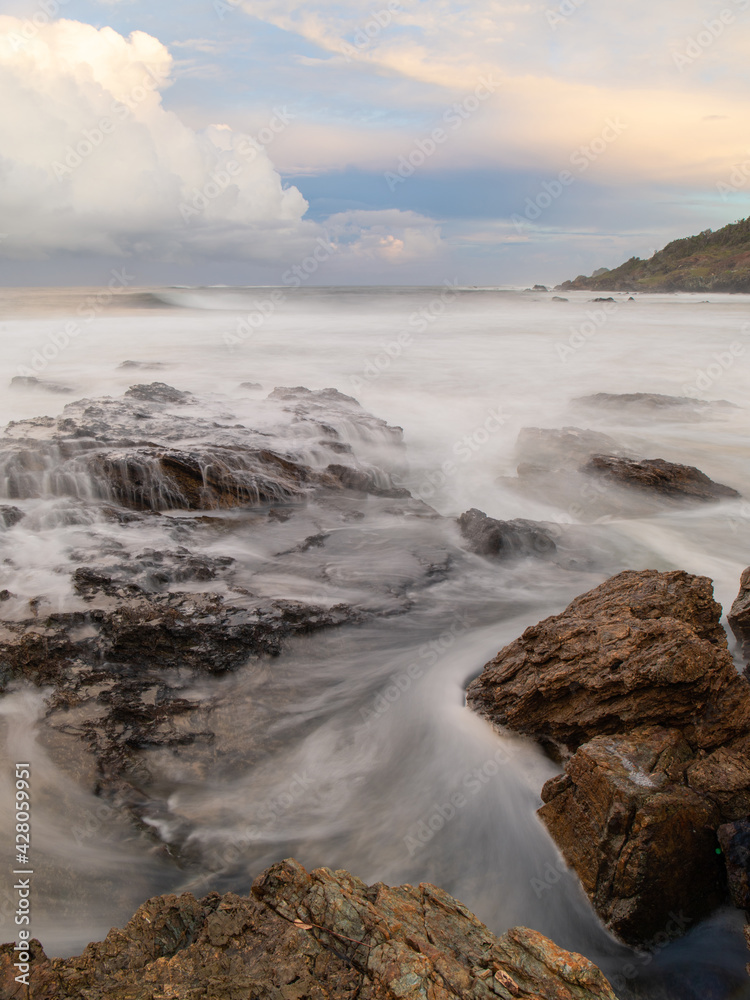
[641, 841]
[505, 539]
[142, 365]
[642, 648]
[120, 670]
[9, 516]
[601, 299]
[734, 840]
[134, 452]
[250, 385]
[159, 392]
[32, 382]
[668, 480]
[647, 405]
[540, 288]
[559, 298]
[739, 615]
[324, 936]
[551, 449]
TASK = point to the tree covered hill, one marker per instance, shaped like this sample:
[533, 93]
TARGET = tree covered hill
[709, 262]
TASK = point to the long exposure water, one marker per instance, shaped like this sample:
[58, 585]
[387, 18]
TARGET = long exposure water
[340, 751]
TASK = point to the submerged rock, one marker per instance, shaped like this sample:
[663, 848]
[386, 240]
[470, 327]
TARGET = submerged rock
[654, 475]
[644, 647]
[647, 405]
[505, 539]
[9, 516]
[320, 935]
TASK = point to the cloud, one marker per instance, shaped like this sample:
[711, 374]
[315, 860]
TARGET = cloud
[92, 162]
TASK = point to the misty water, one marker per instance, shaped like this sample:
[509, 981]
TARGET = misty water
[341, 751]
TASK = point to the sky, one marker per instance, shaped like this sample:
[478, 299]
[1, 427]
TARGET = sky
[365, 142]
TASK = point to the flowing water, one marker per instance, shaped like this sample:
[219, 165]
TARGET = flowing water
[353, 749]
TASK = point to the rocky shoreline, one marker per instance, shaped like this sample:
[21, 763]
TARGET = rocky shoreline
[632, 688]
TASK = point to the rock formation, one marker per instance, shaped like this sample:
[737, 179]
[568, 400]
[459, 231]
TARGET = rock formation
[635, 678]
[505, 539]
[323, 935]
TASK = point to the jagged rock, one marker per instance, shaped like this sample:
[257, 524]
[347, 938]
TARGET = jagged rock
[654, 475]
[642, 648]
[323, 936]
[10, 516]
[734, 839]
[641, 840]
[133, 451]
[119, 671]
[739, 615]
[505, 539]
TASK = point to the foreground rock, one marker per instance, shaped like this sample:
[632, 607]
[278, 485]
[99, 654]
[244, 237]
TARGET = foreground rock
[642, 648]
[654, 475]
[636, 678]
[739, 615]
[505, 539]
[120, 669]
[640, 839]
[319, 935]
[154, 449]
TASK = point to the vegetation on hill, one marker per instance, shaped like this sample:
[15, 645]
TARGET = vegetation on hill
[709, 262]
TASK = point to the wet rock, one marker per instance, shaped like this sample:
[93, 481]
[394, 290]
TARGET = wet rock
[32, 382]
[602, 299]
[134, 452]
[640, 839]
[250, 385]
[644, 647]
[739, 615]
[559, 298]
[666, 479]
[734, 840]
[647, 405]
[10, 516]
[159, 392]
[141, 365]
[319, 935]
[505, 539]
[552, 449]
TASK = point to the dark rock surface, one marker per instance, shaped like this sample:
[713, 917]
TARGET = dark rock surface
[10, 516]
[652, 405]
[644, 647]
[505, 539]
[654, 475]
[734, 839]
[323, 936]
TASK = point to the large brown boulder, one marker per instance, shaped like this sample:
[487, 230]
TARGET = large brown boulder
[668, 480]
[640, 839]
[323, 936]
[643, 648]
